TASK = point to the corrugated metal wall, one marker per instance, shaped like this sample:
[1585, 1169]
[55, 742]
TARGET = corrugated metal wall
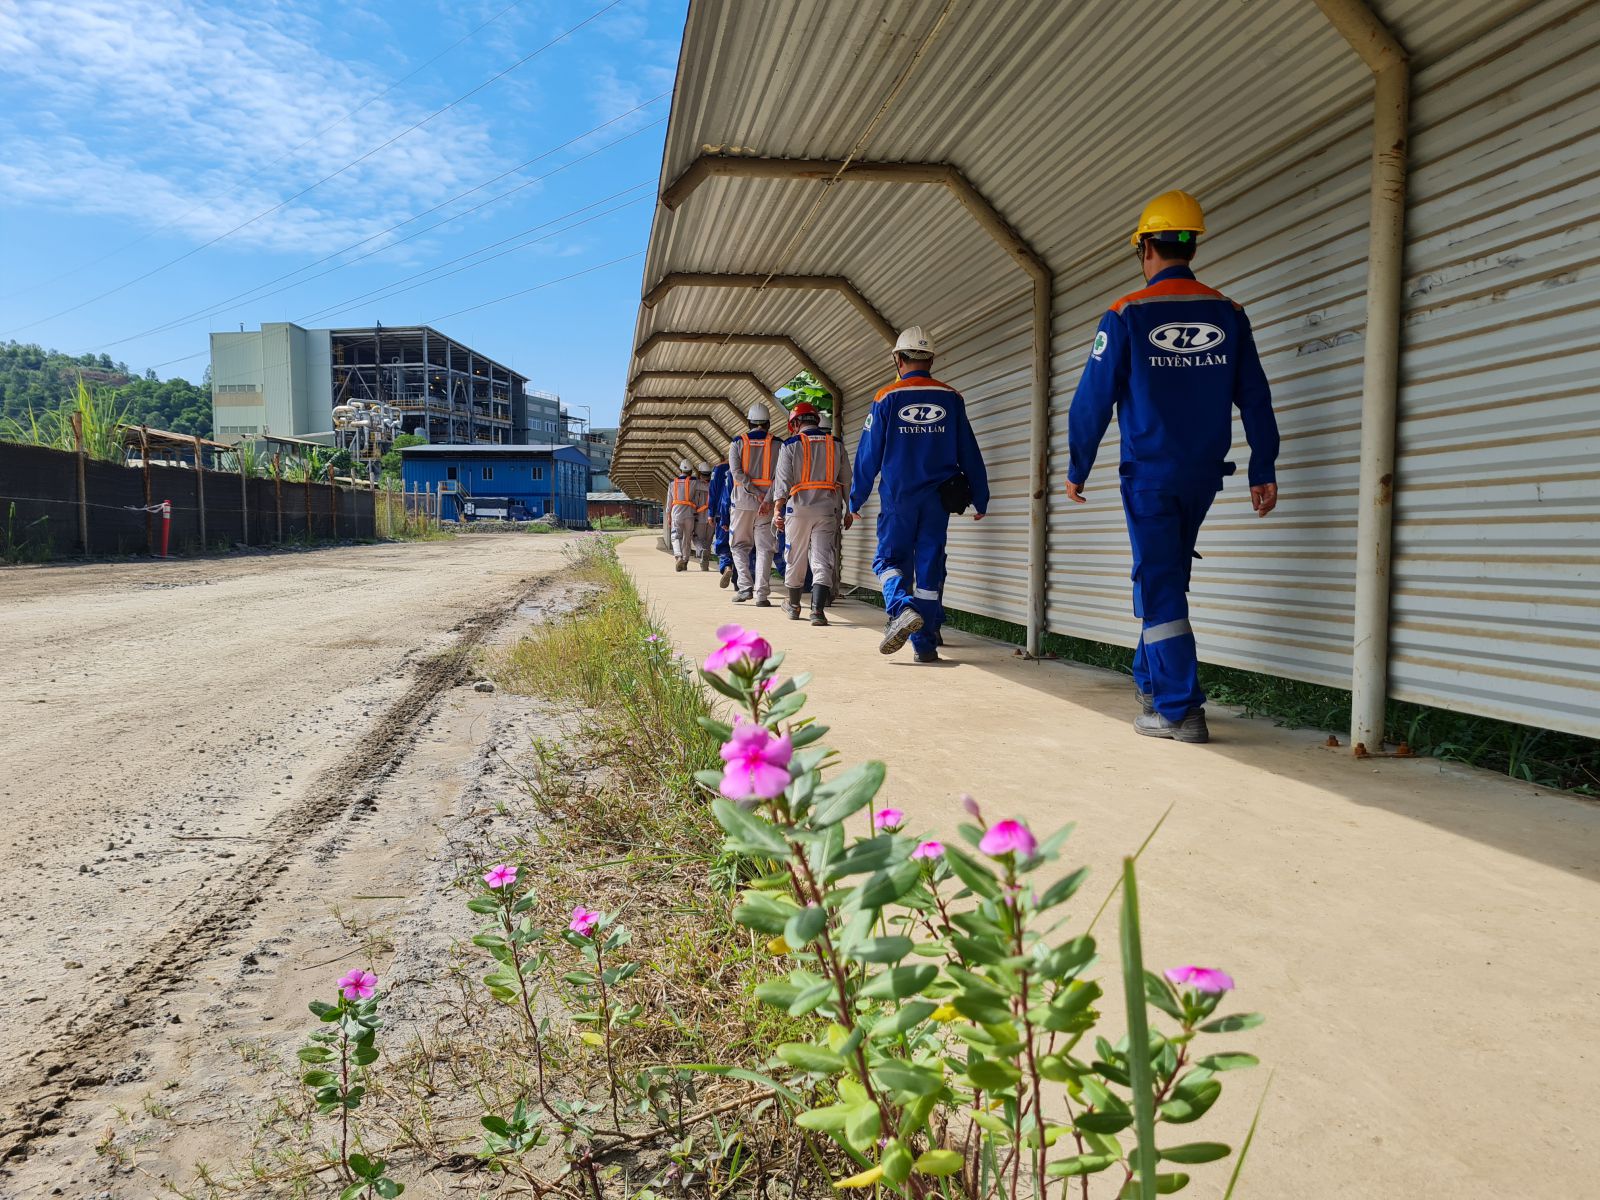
[1497, 502]
[1497, 573]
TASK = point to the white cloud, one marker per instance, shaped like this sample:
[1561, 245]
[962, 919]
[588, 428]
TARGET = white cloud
[162, 110]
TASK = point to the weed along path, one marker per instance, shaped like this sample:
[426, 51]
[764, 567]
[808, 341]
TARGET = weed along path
[1420, 936]
[217, 776]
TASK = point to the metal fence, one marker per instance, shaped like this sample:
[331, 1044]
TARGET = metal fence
[58, 504]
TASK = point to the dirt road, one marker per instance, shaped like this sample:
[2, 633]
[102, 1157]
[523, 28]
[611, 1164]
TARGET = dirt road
[178, 743]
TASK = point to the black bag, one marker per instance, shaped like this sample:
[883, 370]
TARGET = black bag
[955, 494]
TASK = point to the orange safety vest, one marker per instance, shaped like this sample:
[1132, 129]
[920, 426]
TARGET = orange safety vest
[830, 474]
[681, 491]
[764, 478]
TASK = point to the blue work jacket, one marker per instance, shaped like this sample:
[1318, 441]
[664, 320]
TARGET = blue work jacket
[917, 436]
[1174, 359]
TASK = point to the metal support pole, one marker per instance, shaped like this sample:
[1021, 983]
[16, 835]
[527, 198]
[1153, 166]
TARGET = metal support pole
[200, 491]
[83, 483]
[277, 490]
[1380, 384]
[149, 517]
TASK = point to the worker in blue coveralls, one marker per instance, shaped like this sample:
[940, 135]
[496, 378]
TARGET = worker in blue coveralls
[1174, 359]
[918, 438]
[721, 495]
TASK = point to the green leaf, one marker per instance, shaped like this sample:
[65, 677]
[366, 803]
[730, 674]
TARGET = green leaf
[874, 854]
[806, 1057]
[314, 1054]
[972, 873]
[496, 1124]
[1080, 1164]
[353, 1192]
[317, 1079]
[849, 793]
[885, 887]
[757, 910]
[862, 1125]
[905, 1018]
[898, 982]
[905, 1078]
[987, 952]
[980, 1007]
[747, 832]
[361, 1165]
[1233, 1024]
[1062, 890]
[1143, 1159]
[723, 686]
[321, 1008]
[896, 1162]
[992, 1074]
[1159, 992]
[1196, 1152]
[1191, 1104]
[825, 1120]
[749, 1076]
[809, 999]
[1244, 1150]
[388, 1188]
[804, 926]
[1102, 1122]
[490, 904]
[938, 1163]
[1229, 1062]
[890, 949]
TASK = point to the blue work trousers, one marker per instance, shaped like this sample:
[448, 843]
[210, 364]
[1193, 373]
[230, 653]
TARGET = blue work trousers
[910, 563]
[1163, 526]
[721, 546]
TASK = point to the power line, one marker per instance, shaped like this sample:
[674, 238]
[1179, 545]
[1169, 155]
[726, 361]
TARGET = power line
[536, 287]
[393, 288]
[259, 171]
[332, 175]
[249, 294]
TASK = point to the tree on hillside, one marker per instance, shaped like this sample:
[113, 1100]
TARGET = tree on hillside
[35, 382]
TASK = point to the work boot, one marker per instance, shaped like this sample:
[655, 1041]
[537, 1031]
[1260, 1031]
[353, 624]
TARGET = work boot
[763, 602]
[1191, 729]
[792, 604]
[898, 630]
[930, 655]
[741, 596]
[819, 604]
[1147, 700]
[705, 562]
[683, 564]
[727, 577]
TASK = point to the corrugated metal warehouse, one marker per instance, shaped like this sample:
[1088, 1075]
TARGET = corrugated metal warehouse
[837, 169]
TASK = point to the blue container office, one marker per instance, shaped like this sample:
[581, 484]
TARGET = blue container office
[501, 482]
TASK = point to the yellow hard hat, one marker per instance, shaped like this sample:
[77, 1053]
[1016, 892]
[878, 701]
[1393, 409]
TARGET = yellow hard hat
[1170, 212]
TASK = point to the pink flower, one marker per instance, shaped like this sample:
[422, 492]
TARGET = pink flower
[358, 984]
[1008, 837]
[1201, 979]
[758, 763]
[738, 645]
[583, 921]
[971, 805]
[929, 849]
[888, 820]
[766, 685]
[500, 876]
[654, 637]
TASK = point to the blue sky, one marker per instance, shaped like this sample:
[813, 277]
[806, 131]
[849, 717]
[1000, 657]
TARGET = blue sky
[138, 131]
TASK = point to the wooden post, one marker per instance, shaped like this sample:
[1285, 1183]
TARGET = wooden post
[277, 490]
[311, 532]
[149, 519]
[83, 483]
[333, 504]
[200, 491]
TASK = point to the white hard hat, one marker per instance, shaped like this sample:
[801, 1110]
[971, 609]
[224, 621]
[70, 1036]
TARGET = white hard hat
[758, 414]
[683, 465]
[703, 467]
[914, 340]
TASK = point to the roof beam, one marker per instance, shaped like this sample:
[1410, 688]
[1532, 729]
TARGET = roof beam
[762, 281]
[830, 172]
[781, 340]
[676, 434]
[750, 377]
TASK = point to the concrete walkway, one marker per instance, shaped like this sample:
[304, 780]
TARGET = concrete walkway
[1423, 938]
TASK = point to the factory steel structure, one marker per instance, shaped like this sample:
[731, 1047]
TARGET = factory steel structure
[288, 381]
[1404, 194]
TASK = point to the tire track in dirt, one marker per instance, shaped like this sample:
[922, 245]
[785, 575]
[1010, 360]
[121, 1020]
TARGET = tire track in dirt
[90, 1049]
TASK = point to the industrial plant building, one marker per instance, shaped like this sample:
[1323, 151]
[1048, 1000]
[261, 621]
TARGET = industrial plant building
[501, 482]
[286, 380]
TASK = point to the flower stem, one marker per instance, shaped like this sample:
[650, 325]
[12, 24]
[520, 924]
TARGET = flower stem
[605, 1031]
[527, 1004]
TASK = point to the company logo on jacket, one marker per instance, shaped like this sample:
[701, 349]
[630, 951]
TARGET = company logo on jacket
[922, 414]
[1188, 344]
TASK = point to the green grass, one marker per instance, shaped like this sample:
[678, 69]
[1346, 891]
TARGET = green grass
[1539, 756]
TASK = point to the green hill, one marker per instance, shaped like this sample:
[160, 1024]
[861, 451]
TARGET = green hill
[40, 379]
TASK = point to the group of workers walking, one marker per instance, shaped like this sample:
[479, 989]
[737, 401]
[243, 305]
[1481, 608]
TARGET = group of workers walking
[1171, 360]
